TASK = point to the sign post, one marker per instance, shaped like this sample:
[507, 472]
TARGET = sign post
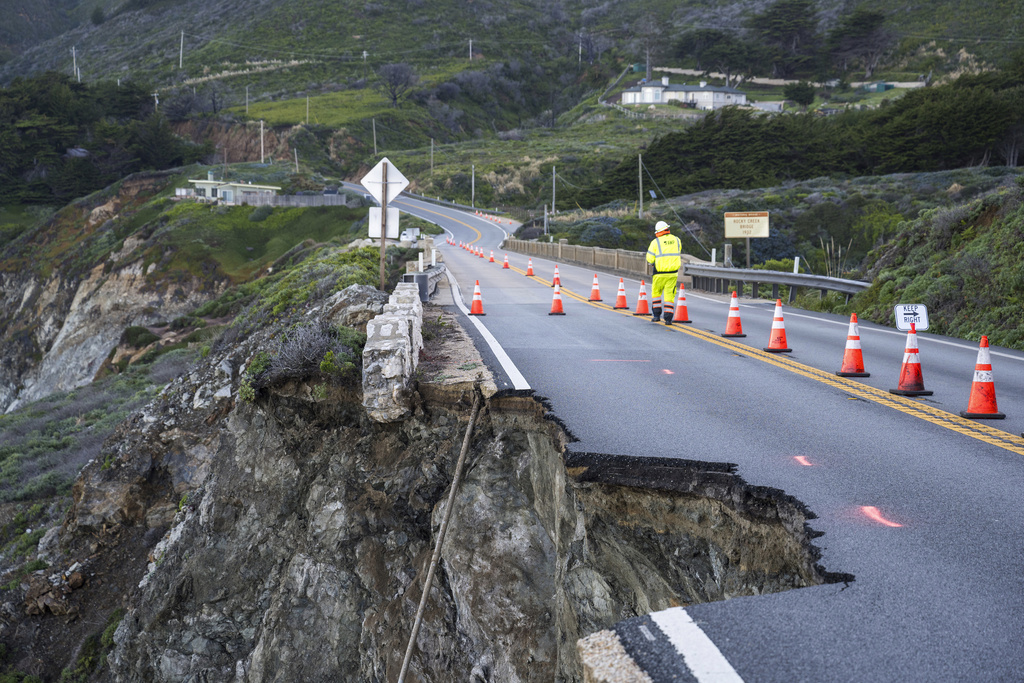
[746, 224]
[911, 313]
[384, 190]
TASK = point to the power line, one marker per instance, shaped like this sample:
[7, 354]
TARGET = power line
[673, 209]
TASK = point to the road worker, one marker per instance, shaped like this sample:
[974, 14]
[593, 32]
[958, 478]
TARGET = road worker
[664, 253]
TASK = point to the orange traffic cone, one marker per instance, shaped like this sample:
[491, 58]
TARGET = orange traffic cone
[911, 379]
[681, 315]
[556, 302]
[492, 256]
[529, 268]
[505, 265]
[478, 304]
[595, 292]
[480, 253]
[982, 404]
[734, 326]
[853, 358]
[641, 303]
[777, 338]
[556, 280]
[620, 298]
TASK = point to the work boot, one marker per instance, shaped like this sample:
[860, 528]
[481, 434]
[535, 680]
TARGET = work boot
[656, 315]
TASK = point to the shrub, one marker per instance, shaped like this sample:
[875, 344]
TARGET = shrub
[261, 213]
[138, 337]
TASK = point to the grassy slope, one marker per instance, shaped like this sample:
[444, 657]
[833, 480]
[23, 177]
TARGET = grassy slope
[182, 238]
[964, 263]
[324, 40]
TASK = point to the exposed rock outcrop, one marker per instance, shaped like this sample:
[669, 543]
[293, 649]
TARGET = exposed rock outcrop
[58, 326]
[288, 538]
[300, 532]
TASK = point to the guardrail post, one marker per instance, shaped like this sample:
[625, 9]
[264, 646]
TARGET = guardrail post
[792, 293]
[775, 291]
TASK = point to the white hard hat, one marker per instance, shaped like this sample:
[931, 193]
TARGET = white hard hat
[661, 225]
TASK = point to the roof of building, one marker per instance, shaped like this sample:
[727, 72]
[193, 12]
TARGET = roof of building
[684, 88]
[233, 183]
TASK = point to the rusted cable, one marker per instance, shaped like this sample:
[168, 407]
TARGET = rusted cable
[436, 558]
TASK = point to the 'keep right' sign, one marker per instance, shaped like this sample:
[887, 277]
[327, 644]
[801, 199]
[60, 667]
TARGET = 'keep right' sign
[911, 313]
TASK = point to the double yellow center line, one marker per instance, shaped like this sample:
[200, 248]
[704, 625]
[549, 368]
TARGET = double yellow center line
[908, 406]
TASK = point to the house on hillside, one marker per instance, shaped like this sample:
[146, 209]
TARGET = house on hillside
[702, 96]
[878, 86]
[225, 192]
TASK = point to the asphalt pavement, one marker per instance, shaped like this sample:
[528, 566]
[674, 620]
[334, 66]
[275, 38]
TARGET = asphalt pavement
[938, 589]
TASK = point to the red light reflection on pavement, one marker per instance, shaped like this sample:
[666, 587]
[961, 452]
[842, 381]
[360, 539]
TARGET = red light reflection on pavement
[668, 372]
[874, 514]
[802, 459]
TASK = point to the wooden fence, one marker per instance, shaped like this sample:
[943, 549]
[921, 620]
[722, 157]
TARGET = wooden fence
[297, 200]
[616, 260]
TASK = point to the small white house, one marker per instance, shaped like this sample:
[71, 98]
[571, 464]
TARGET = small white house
[702, 96]
[224, 192]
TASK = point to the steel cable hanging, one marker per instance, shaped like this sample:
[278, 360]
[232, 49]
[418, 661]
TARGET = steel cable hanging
[673, 209]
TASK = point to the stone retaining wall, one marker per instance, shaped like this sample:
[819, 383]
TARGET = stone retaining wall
[393, 342]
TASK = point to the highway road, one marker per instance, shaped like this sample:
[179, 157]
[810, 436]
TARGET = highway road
[938, 593]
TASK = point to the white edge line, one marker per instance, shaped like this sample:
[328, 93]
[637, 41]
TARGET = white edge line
[518, 381]
[705, 661]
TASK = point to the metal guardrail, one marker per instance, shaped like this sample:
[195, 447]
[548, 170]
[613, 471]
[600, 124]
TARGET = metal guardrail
[717, 279]
[704, 276]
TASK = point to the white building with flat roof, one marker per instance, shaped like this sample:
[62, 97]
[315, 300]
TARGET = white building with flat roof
[227, 192]
[701, 96]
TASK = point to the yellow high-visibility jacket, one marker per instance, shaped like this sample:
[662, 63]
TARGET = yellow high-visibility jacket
[664, 253]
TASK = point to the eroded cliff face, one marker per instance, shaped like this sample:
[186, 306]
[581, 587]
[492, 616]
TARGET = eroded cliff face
[295, 536]
[59, 324]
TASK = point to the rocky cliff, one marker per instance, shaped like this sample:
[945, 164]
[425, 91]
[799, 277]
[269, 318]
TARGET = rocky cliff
[287, 538]
[68, 291]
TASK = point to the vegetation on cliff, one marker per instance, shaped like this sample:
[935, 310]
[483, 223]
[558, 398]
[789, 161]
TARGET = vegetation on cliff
[963, 262]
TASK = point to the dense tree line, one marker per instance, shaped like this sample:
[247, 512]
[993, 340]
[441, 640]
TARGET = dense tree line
[977, 120]
[783, 41]
[60, 139]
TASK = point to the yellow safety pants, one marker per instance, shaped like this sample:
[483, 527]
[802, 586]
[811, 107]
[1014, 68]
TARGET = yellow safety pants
[663, 290]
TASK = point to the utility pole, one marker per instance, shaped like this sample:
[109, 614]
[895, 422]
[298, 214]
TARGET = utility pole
[261, 142]
[296, 160]
[640, 179]
[472, 186]
[552, 189]
[431, 156]
[74, 63]
[580, 61]
[181, 51]
[374, 136]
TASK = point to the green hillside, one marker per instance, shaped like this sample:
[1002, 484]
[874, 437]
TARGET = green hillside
[964, 262]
